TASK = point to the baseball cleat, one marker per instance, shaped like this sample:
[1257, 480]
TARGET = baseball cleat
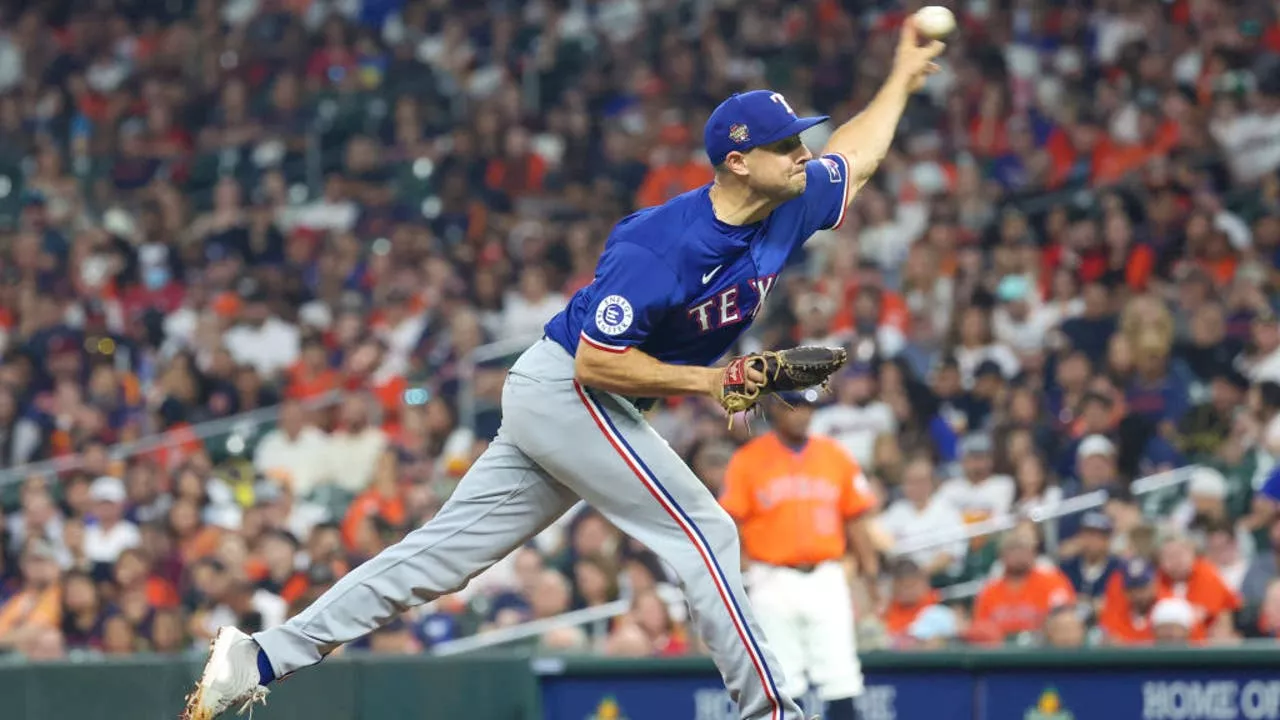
[230, 678]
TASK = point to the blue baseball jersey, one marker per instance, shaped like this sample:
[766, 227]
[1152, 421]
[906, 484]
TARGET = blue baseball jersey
[680, 285]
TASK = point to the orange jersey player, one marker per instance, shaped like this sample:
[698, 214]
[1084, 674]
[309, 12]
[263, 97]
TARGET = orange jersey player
[799, 500]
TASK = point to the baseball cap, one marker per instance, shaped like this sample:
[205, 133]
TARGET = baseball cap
[107, 489]
[749, 120]
[1012, 288]
[1096, 520]
[1138, 573]
[977, 443]
[1207, 482]
[1095, 445]
[987, 368]
[1173, 611]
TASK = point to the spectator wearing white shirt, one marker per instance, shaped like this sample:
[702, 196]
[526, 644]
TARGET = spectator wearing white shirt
[354, 449]
[110, 534]
[262, 340]
[1016, 321]
[528, 308]
[978, 494]
[920, 515]
[333, 211]
[295, 449]
[859, 416]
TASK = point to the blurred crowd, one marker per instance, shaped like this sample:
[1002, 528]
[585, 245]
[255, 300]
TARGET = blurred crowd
[273, 233]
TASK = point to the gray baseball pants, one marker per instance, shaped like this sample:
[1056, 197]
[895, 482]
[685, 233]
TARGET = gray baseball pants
[559, 442]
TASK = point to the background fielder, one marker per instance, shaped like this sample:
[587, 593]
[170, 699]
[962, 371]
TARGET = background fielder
[800, 501]
[675, 288]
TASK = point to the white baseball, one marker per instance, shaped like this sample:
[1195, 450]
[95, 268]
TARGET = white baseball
[935, 22]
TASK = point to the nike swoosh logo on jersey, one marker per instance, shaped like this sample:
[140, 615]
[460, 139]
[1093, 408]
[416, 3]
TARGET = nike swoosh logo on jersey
[707, 278]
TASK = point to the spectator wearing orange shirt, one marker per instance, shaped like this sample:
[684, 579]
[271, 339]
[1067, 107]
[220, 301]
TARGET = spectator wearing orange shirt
[910, 595]
[1020, 599]
[1125, 618]
[519, 171]
[1183, 575]
[382, 499]
[1180, 574]
[312, 377]
[37, 606]
[799, 500]
[679, 166]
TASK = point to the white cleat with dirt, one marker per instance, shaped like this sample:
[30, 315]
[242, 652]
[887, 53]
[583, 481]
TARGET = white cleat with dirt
[230, 678]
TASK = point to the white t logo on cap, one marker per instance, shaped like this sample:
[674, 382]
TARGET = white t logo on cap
[783, 102]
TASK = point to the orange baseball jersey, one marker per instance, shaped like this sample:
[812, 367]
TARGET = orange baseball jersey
[792, 505]
[1204, 589]
[1021, 605]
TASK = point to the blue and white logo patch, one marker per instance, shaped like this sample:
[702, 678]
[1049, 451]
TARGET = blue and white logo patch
[614, 315]
[833, 169]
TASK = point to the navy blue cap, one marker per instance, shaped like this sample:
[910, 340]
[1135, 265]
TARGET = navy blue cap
[1096, 520]
[749, 120]
[1138, 573]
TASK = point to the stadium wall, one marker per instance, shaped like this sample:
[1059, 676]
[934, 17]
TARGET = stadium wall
[1001, 684]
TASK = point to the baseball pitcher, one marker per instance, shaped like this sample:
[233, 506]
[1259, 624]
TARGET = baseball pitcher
[676, 286]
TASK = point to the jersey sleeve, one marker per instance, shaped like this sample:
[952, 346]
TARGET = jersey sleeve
[632, 291]
[826, 194]
[857, 496]
[1061, 591]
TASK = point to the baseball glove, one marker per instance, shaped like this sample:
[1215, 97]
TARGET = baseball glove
[783, 370]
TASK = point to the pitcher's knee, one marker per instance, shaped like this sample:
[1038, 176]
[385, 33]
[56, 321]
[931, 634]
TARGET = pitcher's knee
[721, 534]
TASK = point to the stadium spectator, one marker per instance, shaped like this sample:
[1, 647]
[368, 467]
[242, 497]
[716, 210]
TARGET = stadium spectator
[1184, 575]
[1063, 628]
[909, 597]
[1019, 599]
[1172, 621]
[978, 494]
[1125, 617]
[1091, 569]
[919, 514]
[37, 605]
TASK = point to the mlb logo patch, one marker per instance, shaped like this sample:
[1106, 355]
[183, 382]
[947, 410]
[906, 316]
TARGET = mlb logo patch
[833, 169]
[738, 133]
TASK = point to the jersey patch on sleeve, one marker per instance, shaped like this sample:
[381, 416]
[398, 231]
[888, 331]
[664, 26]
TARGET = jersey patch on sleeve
[614, 315]
[833, 169]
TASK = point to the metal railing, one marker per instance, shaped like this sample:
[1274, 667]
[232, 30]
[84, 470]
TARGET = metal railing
[243, 422]
[1070, 506]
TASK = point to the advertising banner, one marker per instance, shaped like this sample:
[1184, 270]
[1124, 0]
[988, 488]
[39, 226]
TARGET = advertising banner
[1169, 695]
[941, 696]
